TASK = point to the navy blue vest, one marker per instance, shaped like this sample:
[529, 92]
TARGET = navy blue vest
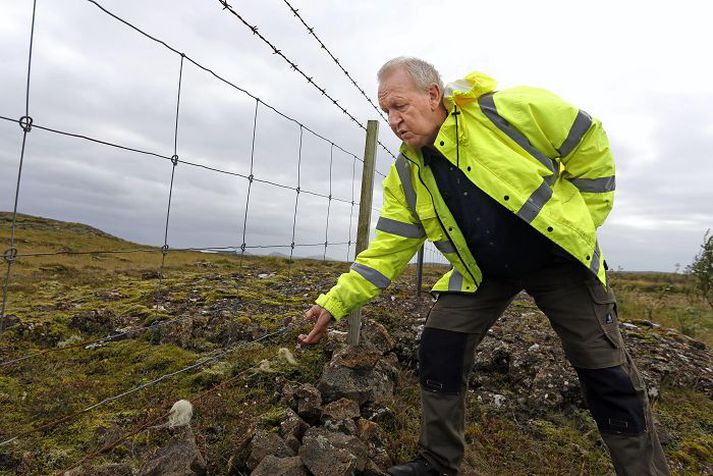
[503, 244]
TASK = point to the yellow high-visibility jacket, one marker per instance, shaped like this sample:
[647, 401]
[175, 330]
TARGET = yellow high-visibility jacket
[538, 156]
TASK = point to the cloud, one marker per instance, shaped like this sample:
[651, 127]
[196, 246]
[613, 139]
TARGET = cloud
[96, 76]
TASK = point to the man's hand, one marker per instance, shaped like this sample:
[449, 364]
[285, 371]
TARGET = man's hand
[323, 317]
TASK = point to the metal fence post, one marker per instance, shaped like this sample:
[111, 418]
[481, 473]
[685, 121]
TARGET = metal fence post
[367, 192]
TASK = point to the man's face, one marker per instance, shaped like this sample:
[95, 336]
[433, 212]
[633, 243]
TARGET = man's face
[414, 114]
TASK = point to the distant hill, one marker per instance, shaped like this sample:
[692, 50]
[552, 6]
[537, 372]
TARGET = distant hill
[35, 234]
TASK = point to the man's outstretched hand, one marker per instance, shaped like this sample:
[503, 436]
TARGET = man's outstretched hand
[323, 317]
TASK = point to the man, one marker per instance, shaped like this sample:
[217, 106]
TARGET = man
[511, 187]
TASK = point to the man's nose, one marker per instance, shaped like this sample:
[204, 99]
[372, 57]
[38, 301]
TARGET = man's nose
[394, 119]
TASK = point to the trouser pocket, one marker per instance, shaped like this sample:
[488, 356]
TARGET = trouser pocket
[604, 303]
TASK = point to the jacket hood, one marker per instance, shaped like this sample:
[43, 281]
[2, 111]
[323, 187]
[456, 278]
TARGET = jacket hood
[464, 91]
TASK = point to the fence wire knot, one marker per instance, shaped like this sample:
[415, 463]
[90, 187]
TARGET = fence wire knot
[164, 250]
[297, 190]
[251, 177]
[292, 245]
[174, 160]
[10, 255]
[242, 247]
[26, 123]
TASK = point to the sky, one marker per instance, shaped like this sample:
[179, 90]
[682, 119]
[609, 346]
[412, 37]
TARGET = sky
[638, 66]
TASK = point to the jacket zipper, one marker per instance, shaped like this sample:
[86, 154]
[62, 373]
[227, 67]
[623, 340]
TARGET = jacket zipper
[443, 227]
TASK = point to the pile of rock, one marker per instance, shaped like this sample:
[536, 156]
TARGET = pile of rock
[333, 429]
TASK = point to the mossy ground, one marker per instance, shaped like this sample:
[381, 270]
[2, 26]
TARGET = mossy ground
[66, 299]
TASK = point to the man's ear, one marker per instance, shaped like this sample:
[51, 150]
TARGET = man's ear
[434, 96]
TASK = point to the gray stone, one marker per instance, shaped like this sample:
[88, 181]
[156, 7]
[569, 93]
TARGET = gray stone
[347, 376]
[292, 429]
[309, 402]
[266, 443]
[274, 466]
[180, 457]
[375, 335]
[341, 409]
[326, 453]
[112, 469]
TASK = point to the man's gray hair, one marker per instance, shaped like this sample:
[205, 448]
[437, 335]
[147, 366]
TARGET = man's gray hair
[423, 73]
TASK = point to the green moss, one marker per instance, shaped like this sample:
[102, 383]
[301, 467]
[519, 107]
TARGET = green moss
[273, 417]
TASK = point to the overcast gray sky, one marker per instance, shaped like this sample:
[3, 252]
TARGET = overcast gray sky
[640, 67]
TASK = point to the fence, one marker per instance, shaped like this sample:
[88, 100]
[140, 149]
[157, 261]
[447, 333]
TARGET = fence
[174, 161]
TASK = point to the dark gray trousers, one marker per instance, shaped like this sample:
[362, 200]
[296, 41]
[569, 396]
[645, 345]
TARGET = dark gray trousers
[583, 313]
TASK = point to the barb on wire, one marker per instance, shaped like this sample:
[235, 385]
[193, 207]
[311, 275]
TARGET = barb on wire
[310, 30]
[218, 76]
[41, 427]
[296, 68]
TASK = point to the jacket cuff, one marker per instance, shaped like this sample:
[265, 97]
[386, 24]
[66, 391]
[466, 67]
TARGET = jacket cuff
[334, 306]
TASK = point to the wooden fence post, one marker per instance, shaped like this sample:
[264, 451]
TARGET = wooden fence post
[365, 201]
[419, 270]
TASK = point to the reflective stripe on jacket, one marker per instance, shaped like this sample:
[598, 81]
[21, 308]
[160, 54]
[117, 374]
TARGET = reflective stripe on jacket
[540, 157]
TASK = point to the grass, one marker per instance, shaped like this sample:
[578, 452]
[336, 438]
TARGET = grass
[221, 301]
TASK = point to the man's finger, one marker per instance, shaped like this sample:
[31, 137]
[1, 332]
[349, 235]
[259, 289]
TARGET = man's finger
[314, 336]
[313, 312]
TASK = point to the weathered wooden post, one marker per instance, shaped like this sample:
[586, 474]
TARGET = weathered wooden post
[419, 270]
[365, 200]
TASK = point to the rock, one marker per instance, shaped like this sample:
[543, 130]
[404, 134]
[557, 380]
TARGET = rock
[309, 402]
[332, 454]
[293, 429]
[266, 443]
[357, 357]
[274, 466]
[92, 322]
[370, 434]
[373, 334]
[358, 379]
[180, 457]
[113, 469]
[341, 409]
[534, 348]
[492, 356]
[348, 427]
[380, 414]
[372, 469]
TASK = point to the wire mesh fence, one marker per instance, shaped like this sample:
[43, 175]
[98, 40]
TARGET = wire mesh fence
[306, 173]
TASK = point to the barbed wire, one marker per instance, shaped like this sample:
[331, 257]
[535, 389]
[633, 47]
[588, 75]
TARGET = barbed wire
[296, 68]
[224, 80]
[151, 423]
[39, 427]
[310, 30]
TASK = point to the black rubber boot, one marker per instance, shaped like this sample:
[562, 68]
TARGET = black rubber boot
[417, 467]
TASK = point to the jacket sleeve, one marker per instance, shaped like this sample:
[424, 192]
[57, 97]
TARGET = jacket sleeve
[399, 235]
[589, 165]
[575, 139]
